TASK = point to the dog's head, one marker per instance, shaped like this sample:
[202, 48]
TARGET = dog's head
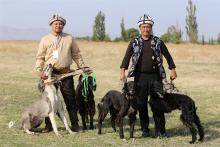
[48, 69]
[129, 89]
[157, 89]
[89, 82]
[129, 93]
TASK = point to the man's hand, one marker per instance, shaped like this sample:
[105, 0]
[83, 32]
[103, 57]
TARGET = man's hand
[86, 69]
[42, 75]
[173, 74]
[122, 75]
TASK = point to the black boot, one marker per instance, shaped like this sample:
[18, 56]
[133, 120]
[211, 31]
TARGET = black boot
[74, 120]
[144, 128]
[48, 126]
[75, 127]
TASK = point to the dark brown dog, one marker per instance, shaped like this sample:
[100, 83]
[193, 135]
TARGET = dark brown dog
[86, 102]
[170, 102]
[118, 104]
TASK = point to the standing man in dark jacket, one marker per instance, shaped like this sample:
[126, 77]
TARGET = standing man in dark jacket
[146, 52]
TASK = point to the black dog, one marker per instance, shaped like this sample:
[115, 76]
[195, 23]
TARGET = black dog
[118, 104]
[172, 101]
[85, 99]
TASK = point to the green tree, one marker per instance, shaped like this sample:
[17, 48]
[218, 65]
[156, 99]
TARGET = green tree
[126, 34]
[107, 38]
[218, 38]
[123, 31]
[192, 26]
[173, 35]
[131, 33]
[203, 39]
[211, 41]
[99, 27]
[165, 37]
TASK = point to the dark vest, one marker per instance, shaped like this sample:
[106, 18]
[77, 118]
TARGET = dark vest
[137, 44]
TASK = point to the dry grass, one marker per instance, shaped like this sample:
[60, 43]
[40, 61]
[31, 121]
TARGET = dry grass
[198, 75]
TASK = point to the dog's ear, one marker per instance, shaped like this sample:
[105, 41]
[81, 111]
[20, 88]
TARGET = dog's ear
[50, 65]
[41, 86]
[125, 88]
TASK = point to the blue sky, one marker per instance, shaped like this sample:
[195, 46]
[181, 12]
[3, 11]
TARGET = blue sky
[80, 14]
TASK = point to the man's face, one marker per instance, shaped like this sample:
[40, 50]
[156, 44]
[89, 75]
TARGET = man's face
[57, 26]
[145, 29]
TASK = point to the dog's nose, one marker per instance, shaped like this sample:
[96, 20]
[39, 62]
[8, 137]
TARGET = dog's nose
[132, 92]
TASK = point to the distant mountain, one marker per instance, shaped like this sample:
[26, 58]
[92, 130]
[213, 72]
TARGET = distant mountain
[10, 33]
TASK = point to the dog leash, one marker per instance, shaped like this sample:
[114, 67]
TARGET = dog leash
[59, 77]
[85, 90]
[85, 86]
[171, 85]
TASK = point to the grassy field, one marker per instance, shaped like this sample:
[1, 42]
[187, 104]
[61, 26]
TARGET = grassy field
[198, 69]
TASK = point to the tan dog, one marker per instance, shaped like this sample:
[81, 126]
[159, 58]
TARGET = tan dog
[47, 106]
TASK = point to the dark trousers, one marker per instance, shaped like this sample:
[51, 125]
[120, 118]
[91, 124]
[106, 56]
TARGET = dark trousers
[144, 82]
[68, 93]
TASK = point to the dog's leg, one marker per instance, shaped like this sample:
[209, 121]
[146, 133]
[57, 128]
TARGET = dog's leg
[121, 130]
[113, 118]
[199, 126]
[193, 132]
[84, 121]
[189, 123]
[87, 118]
[52, 119]
[29, 132]
[101, 117]
[83, 112]
[162, 125]
[63, 119]
[120, 121]
[91, 121]
[132, 119]
[187, 118]
[157, 124]
[92, 113]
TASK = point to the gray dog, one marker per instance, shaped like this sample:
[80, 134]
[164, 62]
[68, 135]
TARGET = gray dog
[47, 106]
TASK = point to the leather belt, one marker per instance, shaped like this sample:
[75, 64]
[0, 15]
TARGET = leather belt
[61, 71]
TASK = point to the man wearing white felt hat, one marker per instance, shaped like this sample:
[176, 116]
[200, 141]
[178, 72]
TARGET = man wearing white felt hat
[146, 53]
[60, 50]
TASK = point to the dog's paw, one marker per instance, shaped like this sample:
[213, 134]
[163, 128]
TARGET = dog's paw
[192, 142]
[71, 132]
[124, 140]
[122, 136]
[58, 134]
[201, 139]
[29, 132]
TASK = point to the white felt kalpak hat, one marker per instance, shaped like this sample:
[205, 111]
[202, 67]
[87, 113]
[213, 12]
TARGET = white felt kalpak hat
[145, 19]
[57, 17]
